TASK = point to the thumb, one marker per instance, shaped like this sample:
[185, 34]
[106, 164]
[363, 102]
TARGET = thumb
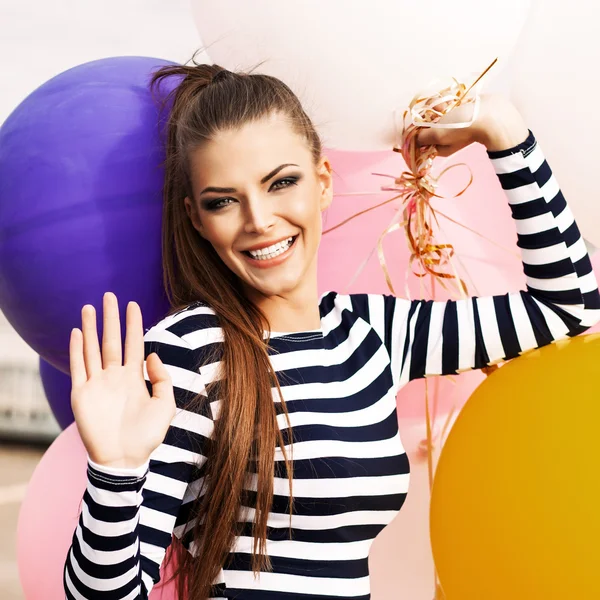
[428, 136]
[162, 386]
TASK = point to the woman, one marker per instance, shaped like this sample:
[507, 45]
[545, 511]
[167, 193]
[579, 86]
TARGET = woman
[290, 476]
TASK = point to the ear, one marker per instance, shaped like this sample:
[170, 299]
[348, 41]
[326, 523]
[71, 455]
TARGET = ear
[192, 213]
[325, 176]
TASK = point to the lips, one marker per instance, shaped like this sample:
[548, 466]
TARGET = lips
[247, 252]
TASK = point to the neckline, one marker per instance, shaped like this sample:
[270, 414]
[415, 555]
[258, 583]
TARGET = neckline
[310, 334]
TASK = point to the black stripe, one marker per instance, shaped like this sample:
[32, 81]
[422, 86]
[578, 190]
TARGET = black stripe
[482, 357]
[542, 333]
[506, 326]
[418, 358]
[450, 345]
[560, 268]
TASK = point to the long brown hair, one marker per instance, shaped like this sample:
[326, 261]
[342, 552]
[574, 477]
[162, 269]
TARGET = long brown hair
[246, 431]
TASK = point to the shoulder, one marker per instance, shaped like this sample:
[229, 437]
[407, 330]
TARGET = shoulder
[358, 304]
[193, 327]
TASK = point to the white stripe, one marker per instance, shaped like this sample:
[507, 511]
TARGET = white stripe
[300, 584]
[202, 337]
[588, 282]
[376, 304]
[156, 520]
[104, 585]
[523, 327]
[107, 528]
[435, 339]
[338, 487]
[148, 583]
[590, 317]
[564, 220]
[153, 553]
[466, 335]
[398, 338]
[557, 326]
[338, 389]
[304, 358]
[103, 557]
[327, 448]
[535, 159]
[374, 413]
[137, 472]
[578, 250]
[113, 499]
[411, 338]
[308, 550]
[158, 333]
[544, 256]
[556, 284]
[538, 224]
[172, 454]
[490, 330]
[550, 189]
[194, 422]
[324, 522]
[524, 193]
[166, 486]
[72, 589]
[509, 164]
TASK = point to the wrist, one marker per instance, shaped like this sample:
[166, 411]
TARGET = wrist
[117, 464]
[502, 126]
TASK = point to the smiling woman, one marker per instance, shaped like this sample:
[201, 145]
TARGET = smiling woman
[280, 458]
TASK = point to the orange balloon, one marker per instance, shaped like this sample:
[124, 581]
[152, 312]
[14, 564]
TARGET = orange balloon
[515, 507]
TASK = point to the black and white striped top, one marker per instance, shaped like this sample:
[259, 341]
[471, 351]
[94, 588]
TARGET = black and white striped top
[351, 473]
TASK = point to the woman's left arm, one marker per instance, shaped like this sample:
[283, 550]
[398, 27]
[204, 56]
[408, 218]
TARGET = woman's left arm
[427, 337]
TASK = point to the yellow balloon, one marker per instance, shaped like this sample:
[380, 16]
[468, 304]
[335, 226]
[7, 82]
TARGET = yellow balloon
[515, 506]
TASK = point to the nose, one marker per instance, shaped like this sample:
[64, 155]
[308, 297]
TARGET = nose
[259, 217]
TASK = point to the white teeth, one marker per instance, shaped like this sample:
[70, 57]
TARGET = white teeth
[272, 251]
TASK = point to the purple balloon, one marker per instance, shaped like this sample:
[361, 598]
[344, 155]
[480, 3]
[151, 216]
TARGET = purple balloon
[57, 387]
[80, 202]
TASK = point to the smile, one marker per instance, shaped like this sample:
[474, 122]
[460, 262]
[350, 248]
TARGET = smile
[273, 255]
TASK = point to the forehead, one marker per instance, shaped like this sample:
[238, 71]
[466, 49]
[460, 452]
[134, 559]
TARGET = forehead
[249, 152]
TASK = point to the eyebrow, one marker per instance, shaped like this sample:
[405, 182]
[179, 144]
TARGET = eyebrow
[222, 190]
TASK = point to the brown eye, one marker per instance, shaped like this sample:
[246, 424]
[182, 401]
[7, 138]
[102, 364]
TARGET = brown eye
[286, 182]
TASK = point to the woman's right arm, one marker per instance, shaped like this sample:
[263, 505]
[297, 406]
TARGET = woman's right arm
[128, 515]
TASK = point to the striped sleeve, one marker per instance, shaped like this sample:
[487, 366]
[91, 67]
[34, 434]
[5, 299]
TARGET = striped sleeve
[561, 299]
[128, 516]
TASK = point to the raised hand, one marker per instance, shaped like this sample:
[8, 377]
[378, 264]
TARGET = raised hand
[119, 422]
[498, 126]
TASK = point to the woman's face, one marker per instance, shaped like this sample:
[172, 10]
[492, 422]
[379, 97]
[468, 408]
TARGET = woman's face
[256, 187]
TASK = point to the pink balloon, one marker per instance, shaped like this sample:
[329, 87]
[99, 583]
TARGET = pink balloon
[48, 518]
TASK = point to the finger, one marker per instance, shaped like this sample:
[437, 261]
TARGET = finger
[91, 347]
[162, 386]
[134, 336]
[111, 336]
[76, 360]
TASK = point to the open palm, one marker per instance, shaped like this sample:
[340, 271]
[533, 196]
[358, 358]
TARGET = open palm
[119, 422]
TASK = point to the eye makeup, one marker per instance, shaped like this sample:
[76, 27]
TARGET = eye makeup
[215, 204]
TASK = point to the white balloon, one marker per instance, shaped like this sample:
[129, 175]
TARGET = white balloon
[556, 88]
[352, 62]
